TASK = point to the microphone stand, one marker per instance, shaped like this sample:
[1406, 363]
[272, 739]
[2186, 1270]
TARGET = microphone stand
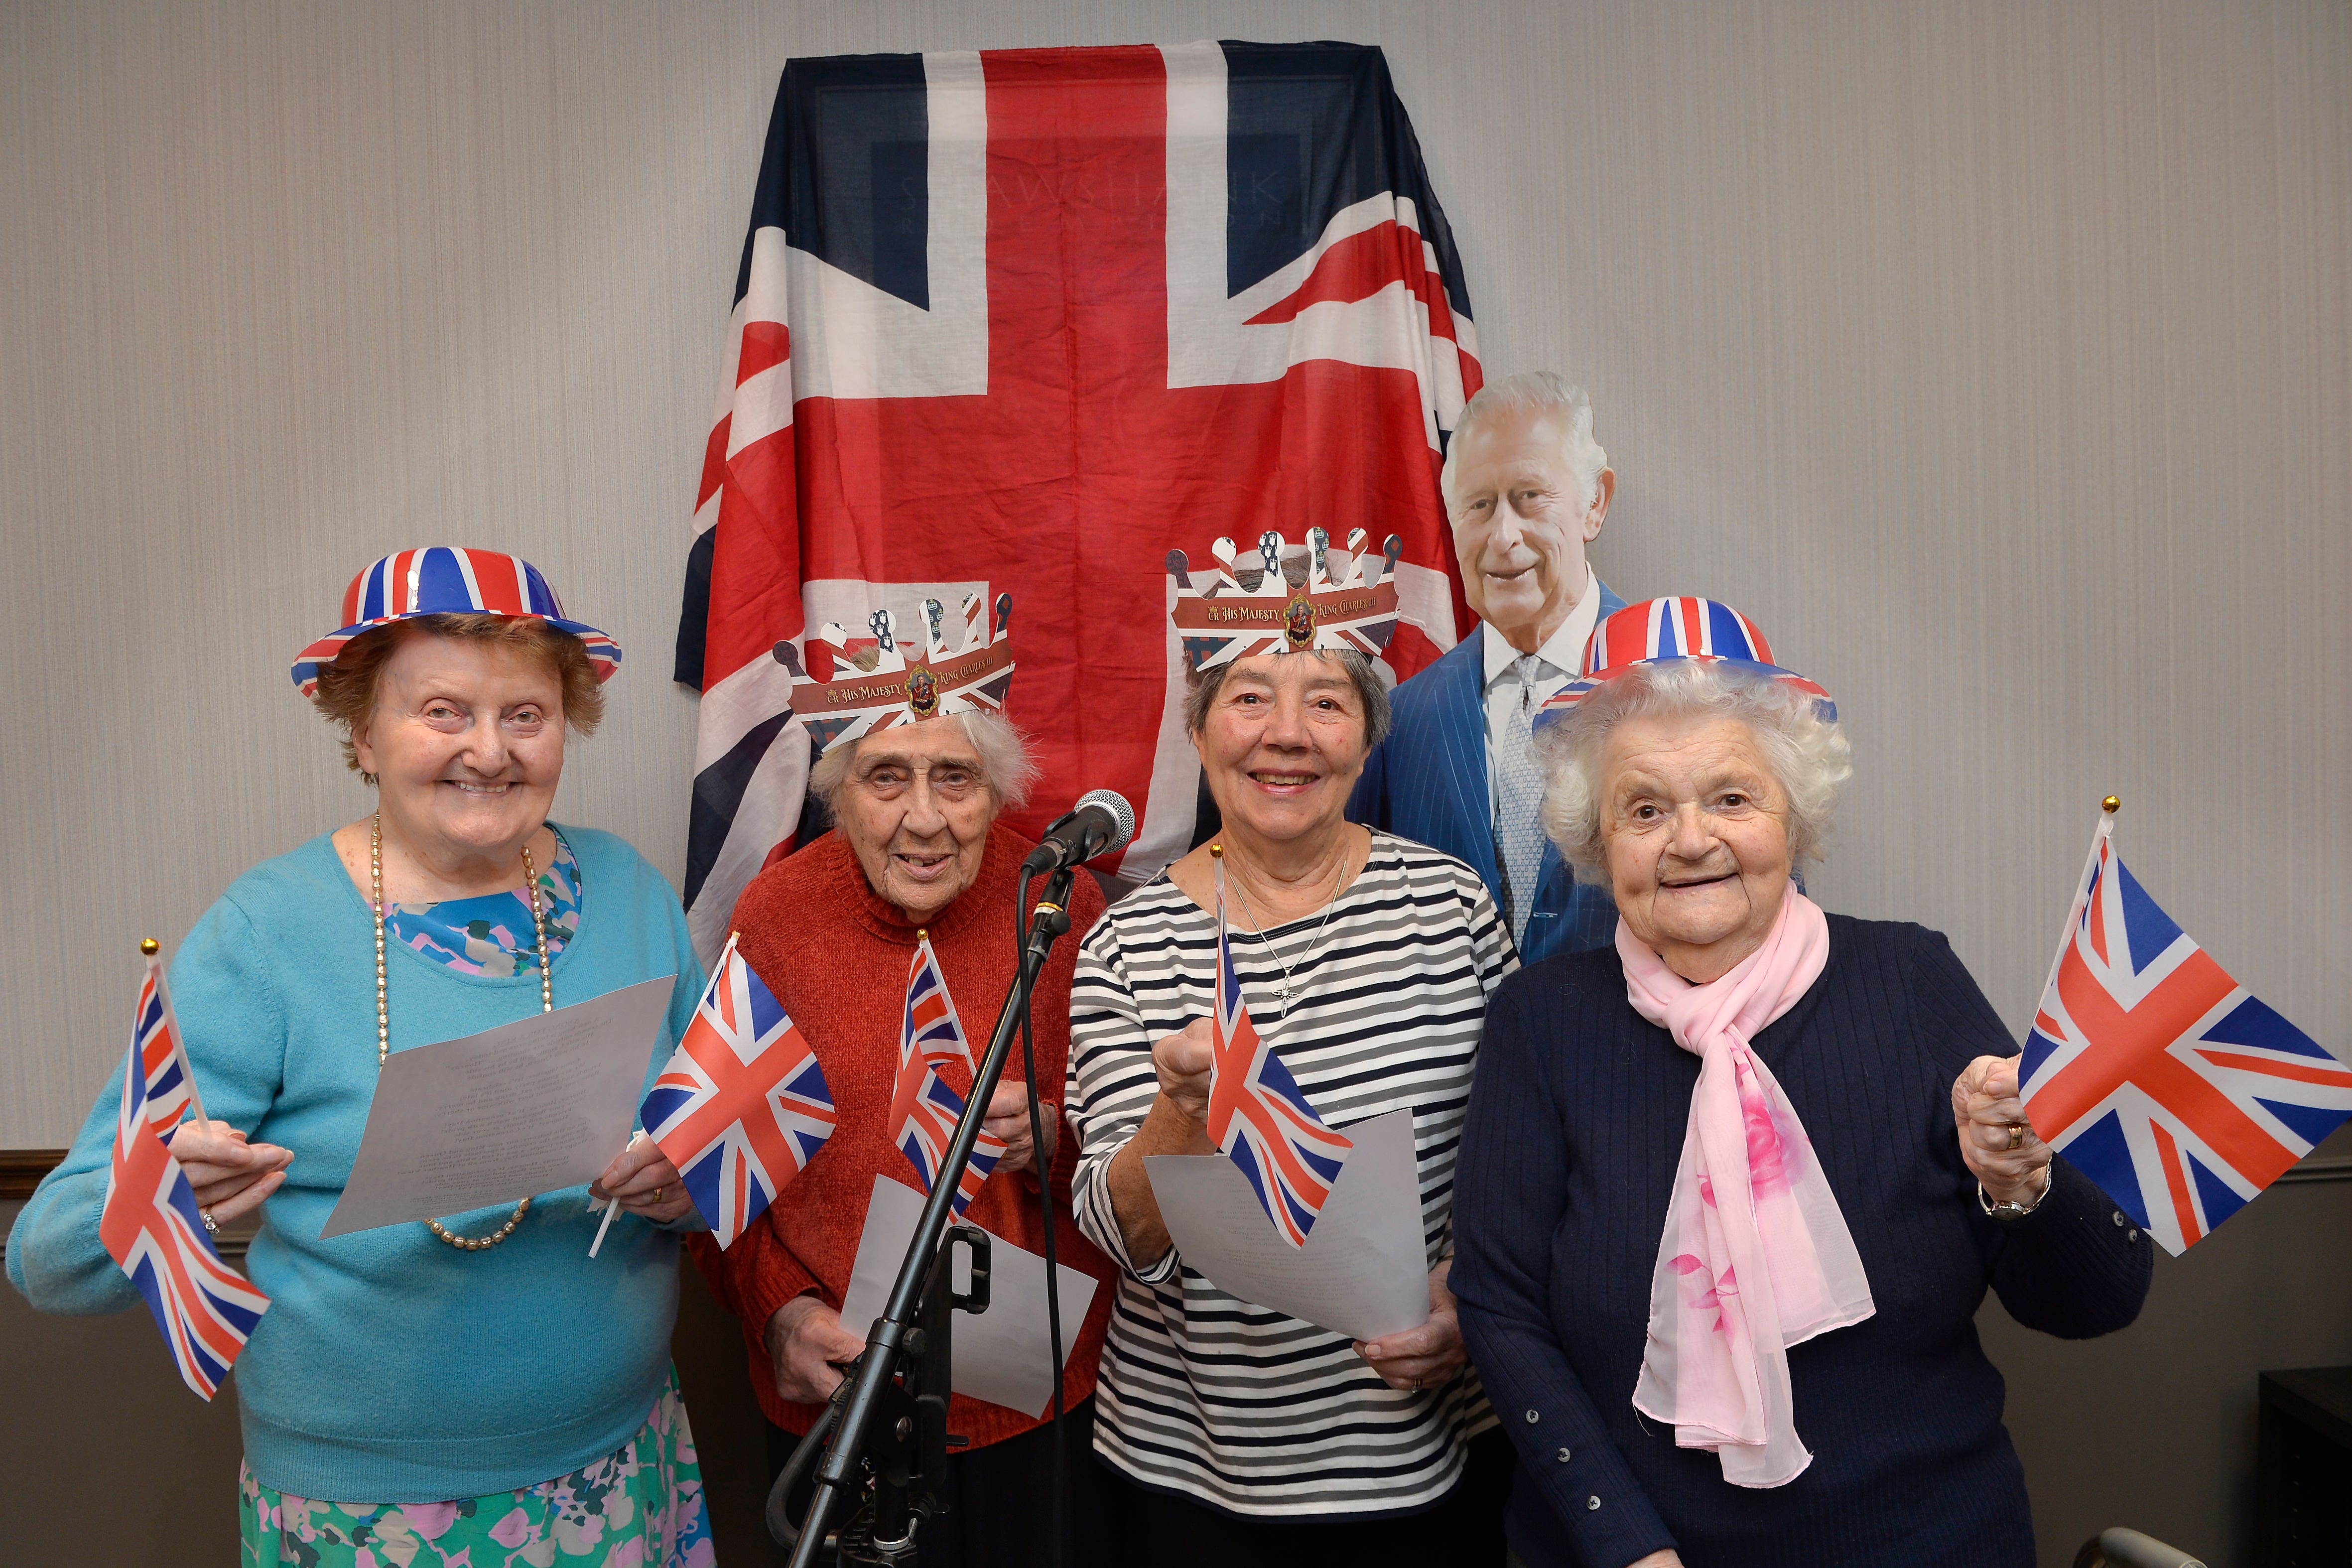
[900, 1332]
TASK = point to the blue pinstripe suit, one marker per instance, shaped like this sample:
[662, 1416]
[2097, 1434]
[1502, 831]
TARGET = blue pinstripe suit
[1428, 782]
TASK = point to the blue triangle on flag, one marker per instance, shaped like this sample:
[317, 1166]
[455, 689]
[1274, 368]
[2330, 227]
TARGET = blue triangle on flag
[2311, 1122]
[660, 1104]
[2038, 1049]
[2219, 1199]
[2148, 930]
[2252, 1023]
[2101, 1152]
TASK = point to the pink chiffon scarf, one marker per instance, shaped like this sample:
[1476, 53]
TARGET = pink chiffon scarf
[1756, 1256]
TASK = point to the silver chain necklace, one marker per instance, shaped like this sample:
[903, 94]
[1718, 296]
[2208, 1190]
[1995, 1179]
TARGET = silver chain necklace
[1285, 992]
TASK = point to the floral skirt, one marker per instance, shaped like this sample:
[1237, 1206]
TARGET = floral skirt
[638, 1507]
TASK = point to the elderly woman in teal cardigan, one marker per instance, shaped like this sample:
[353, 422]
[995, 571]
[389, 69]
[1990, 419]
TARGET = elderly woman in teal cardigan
[471, 1389]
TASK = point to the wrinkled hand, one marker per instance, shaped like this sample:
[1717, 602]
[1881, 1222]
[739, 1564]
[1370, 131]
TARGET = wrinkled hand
[1985, 1107]
[636, 1175]
[804, 1340]
[229, 1175]
[1182, 1061]
[1007, 1122]
[1425, 1357]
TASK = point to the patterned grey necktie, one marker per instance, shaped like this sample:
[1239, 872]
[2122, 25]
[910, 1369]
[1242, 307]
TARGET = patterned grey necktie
[1519, 785]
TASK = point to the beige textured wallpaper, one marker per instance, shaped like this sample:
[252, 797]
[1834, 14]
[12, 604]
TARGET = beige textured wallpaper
[1996, 358]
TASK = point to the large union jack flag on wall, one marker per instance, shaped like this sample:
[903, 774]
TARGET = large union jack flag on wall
[149, 1225]
[2159, 1076]
[1031, 319]
[742, 1107]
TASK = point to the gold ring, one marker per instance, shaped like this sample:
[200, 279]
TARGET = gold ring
[660, 1190]
[1416, 1385]
[2016, 1135]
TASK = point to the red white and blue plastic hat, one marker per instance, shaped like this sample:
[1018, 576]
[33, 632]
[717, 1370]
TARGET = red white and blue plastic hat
[1658, 629]
[448, 580]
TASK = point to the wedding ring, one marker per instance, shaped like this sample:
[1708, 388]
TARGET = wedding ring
[211, 1226]
[659, 1191]
[1416, 1385]
[2017, 1135]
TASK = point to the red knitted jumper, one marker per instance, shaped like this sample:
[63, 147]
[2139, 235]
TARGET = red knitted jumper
[836, 956]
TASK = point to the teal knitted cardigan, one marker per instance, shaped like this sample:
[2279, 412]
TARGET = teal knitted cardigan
[390, 1366]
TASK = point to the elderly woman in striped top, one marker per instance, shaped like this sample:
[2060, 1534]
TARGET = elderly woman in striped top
[1366, 961]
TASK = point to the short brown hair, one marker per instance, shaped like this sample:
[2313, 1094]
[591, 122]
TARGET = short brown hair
[346, 688]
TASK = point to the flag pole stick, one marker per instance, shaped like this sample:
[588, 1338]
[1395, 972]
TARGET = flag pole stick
[2100, 834]
[612, 1205]
[149, 948]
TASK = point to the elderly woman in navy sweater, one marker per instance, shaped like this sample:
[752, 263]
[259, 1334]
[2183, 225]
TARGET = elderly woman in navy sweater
[1731, 1192]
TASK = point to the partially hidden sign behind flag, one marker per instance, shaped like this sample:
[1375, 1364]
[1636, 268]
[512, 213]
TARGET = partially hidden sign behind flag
[1021, 321]
[149, 1226]
[2159, 1076]
[741, 1107]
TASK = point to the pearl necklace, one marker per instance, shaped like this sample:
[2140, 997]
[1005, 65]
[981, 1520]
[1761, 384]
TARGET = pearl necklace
[384, 1011]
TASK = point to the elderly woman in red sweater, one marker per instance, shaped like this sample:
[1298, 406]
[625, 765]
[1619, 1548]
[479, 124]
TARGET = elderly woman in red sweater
[831, 930]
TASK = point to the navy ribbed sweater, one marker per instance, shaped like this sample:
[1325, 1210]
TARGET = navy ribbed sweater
[1569, 1156]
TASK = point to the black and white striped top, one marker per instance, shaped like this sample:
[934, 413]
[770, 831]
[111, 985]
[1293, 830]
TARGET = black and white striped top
[1208, 1395]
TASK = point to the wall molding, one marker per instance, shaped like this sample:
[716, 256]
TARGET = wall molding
[21, 1170]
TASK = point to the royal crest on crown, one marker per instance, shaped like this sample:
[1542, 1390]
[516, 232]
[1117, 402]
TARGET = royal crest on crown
[1288, 599]
[846, 688]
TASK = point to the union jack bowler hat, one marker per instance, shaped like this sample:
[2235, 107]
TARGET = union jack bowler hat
[448, 580]
[1657, 629]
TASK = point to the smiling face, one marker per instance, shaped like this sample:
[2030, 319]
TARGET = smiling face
[914, 808]
[1696, 830]
[465, 739]
[1520, 522]
[1282, 743]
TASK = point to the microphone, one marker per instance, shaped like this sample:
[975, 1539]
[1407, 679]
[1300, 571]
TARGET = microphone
[1101, 822]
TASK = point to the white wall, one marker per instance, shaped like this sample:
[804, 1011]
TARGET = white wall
[1996, 358]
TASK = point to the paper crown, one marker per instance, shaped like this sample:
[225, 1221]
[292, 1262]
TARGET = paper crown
[1295, 605]
[1658, 629]
[852, 686]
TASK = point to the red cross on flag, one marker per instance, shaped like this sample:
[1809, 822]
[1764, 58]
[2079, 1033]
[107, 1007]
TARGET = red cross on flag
[2160, 1077]
[1025, 322]
[741, 1107]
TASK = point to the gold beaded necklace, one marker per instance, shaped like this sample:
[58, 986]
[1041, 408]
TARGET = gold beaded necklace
[384, 1011]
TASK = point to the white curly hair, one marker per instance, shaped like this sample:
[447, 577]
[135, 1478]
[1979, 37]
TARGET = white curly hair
[1809, 755]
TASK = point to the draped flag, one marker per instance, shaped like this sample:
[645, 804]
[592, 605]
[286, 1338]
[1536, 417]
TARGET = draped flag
[742, 1106]
[924, 1107]
[149, 1225]
[163, 1059]
[1258, 1114]
[1022, 322]
[2159, 1076]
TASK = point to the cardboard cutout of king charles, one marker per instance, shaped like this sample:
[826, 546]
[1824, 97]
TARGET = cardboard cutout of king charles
[1527, 489]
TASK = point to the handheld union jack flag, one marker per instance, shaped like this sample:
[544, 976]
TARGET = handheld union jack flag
[1258, 1114]
[742, 1106]
[924, 1107]
[149, 1225]
[163, 1060]
[2157, 1074]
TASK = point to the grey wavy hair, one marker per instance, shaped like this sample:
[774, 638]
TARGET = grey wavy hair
[1809, 755]
[1005, 765]
[1538, 391]
[1201, 693]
